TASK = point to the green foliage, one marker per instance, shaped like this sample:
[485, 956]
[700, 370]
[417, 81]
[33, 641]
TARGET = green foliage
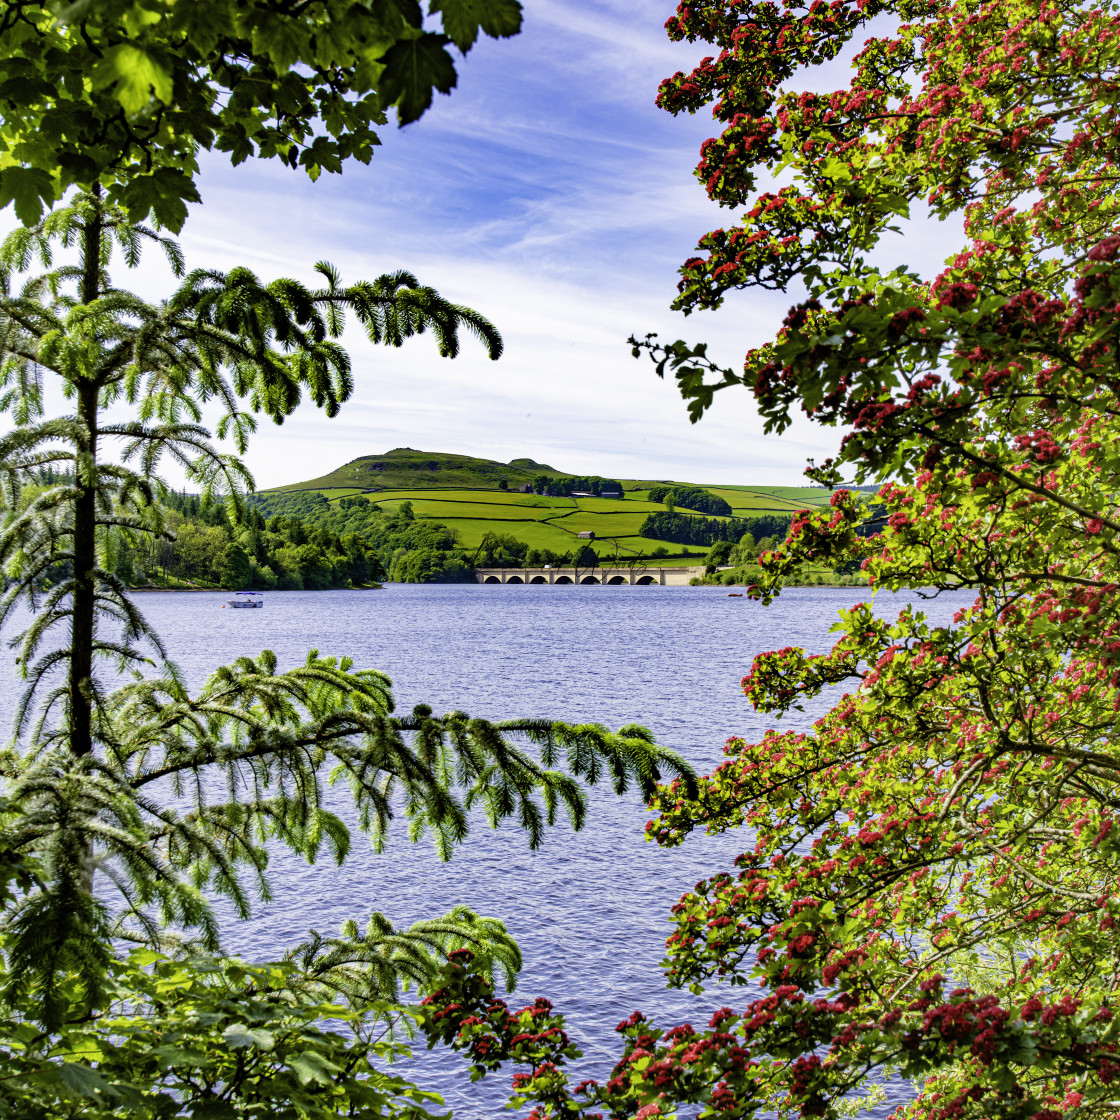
[767, 525]
[462, 21]
[431, 565]
[500, 550]
[203, 1036]
[719, 553]
[126, 93]
[566, 485]
[354, 538]
[301, 553]
[691, 497]
[586, 557]
[539, 557]
[236, 573]
[686, 528]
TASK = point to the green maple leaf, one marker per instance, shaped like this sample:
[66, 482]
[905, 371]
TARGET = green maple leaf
[135, 75]
[238, 1034]
[310, 1066]
[414, 68]
[28, 188]
[463, 19]
[80, 1079]
[165, 193]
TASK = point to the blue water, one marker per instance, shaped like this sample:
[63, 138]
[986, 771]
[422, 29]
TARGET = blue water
[589, 909]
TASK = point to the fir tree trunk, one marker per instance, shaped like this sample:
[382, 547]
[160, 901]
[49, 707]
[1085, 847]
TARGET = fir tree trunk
[85, 521]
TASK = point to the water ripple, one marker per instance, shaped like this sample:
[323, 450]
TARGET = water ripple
[590, 910]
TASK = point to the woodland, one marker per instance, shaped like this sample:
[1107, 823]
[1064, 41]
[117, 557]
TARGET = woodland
[927, 891]
[301, 541]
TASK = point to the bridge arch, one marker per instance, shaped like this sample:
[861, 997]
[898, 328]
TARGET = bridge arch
[538, 579]
[491, 579]
[590, 579]
[645, 579]
[515, 579]
[564, 579]
[616, 579]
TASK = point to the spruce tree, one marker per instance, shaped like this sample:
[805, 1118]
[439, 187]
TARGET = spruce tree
[115, 760]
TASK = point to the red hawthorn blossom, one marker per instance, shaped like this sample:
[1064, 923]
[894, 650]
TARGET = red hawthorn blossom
[951, 814]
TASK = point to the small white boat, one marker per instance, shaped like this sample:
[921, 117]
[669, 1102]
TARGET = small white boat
[247, 599]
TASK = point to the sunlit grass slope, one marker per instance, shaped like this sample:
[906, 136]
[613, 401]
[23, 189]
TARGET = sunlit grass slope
[541, 522]
[403, 468]
[464, 493]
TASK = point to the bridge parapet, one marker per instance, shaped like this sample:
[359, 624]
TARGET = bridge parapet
[634, 576]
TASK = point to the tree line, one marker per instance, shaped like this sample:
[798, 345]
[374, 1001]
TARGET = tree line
[691, 497]
[685, 528]
[202, 545]
[301, 541]
[570, 484]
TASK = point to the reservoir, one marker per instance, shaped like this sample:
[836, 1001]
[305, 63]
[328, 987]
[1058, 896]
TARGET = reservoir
[590, 909]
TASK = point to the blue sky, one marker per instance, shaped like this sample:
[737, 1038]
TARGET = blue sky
[550, 193]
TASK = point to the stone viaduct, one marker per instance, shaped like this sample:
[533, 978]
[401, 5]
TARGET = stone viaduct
[665, 577]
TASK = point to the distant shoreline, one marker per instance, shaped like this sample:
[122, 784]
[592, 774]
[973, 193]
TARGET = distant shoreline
[467, 583]
[226, 591]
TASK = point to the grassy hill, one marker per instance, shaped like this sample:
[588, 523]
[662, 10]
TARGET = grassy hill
[404, 468]
[462, 492]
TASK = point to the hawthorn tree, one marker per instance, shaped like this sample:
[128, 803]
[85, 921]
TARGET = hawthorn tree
[930, 884]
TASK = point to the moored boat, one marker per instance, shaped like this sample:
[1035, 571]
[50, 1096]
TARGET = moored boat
[247, 599]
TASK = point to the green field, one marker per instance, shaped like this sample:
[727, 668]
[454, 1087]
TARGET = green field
[750, 501]
[799, 496]
[444, 511]
[463, 493]
[339, 492]
[747, 501]
[541, 522]
[535, 534]
[470, 494]
[604, 524]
